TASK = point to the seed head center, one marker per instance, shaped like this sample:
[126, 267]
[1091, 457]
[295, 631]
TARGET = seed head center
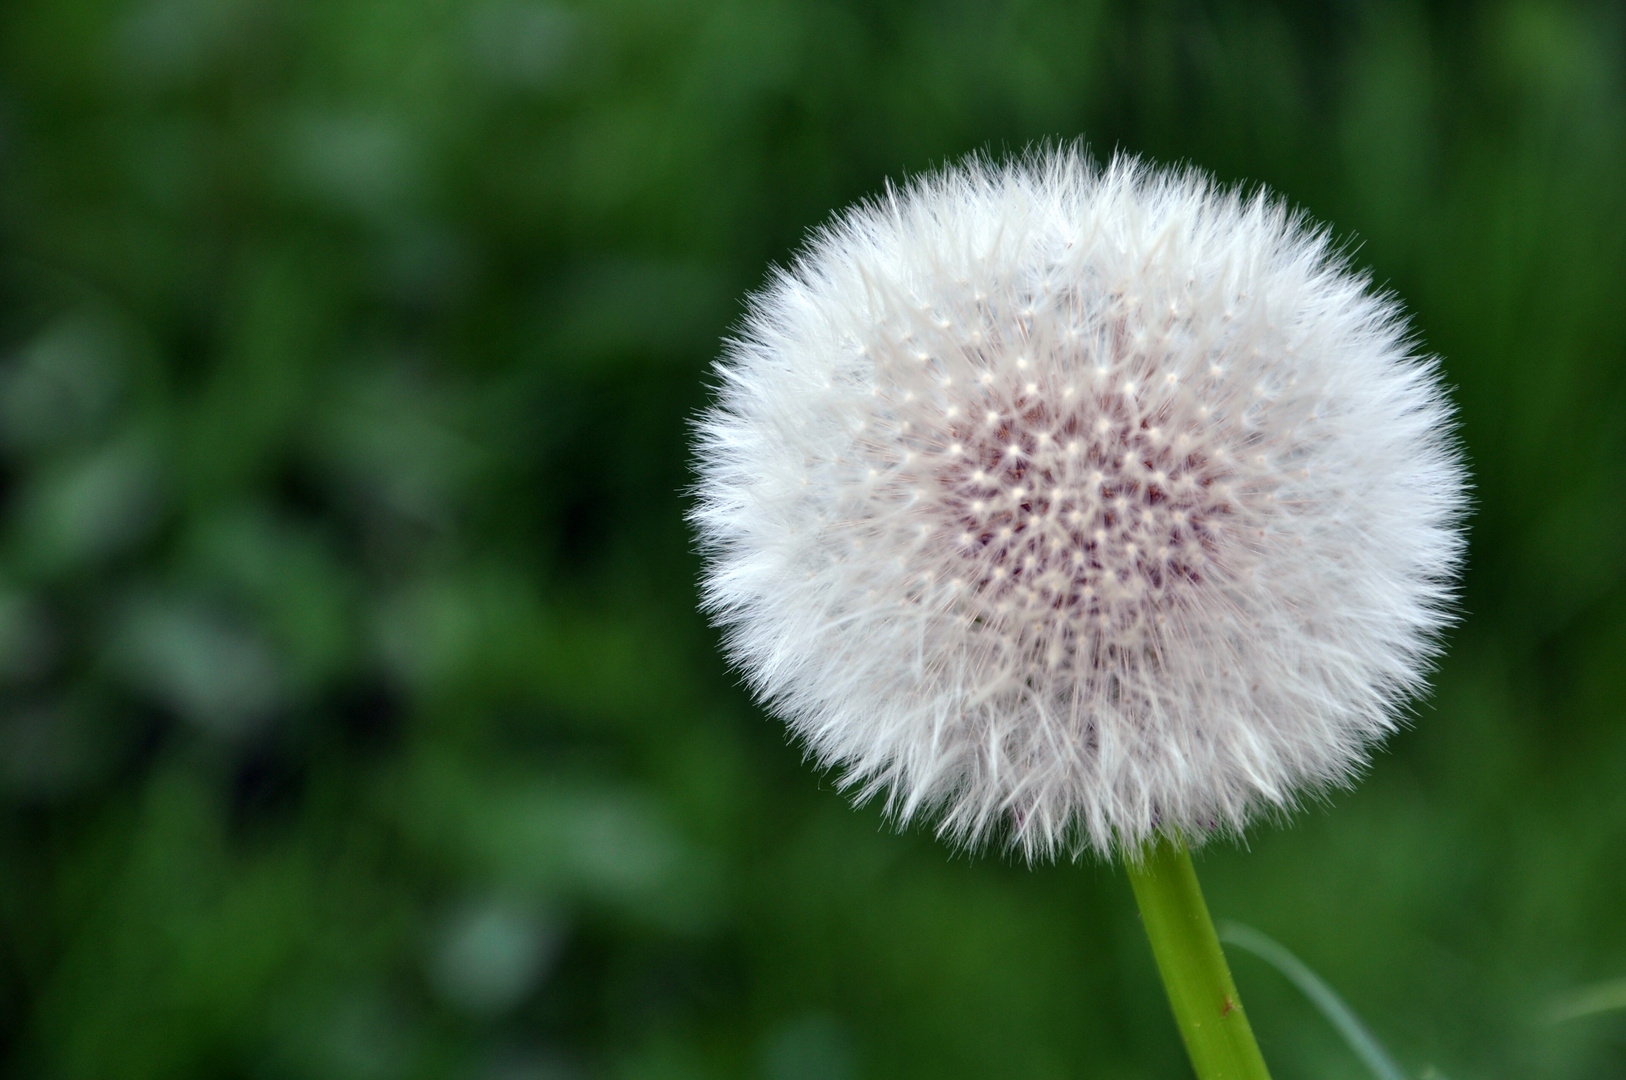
[1094, 515]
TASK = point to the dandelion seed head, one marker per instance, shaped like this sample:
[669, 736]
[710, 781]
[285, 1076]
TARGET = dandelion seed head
[1069, 506]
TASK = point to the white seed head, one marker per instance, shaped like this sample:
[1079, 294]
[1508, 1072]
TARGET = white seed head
[1160, 533]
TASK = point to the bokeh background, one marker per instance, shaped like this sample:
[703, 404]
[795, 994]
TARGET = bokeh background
[355, 717]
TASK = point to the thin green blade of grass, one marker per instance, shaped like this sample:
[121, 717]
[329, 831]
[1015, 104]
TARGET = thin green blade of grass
[1600, 997]
[1323, 997]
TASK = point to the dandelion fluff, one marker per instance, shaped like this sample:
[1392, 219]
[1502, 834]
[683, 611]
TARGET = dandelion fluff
[1070, 506]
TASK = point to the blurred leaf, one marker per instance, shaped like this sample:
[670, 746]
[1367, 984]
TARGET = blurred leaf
[291, 579]
[384, 436]
[202, 666]
[489, 955]
[368, 166]
[170, 42]
[62, 385]
[90, 507]
[526, 44]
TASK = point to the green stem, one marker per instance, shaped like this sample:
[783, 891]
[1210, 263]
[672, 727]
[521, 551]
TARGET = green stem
[1204, 998]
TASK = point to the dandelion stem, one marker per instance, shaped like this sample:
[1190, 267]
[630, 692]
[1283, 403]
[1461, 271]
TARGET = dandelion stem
[1204, 998]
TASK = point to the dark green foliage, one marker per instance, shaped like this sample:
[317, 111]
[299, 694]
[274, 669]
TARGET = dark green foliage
[355, 719]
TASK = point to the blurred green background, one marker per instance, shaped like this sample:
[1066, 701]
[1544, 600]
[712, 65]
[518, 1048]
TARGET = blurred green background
[355, 718]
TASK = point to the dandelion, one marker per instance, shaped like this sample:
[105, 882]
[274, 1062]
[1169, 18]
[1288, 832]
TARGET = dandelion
[1079, 509]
